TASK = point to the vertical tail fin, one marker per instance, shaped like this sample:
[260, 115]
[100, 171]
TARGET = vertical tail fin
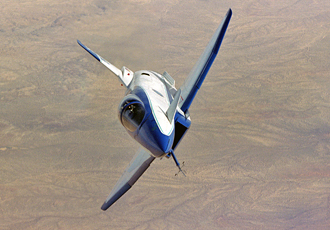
[172, 108]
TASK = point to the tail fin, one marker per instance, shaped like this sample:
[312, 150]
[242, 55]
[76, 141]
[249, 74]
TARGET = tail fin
[170, 113]
[125, 75]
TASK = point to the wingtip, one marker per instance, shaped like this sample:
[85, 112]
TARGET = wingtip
[79, 42]
[95, 55]
[229, 13]
[105, 206]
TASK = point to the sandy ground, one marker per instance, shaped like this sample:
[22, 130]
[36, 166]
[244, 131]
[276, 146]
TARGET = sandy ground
[257, 155]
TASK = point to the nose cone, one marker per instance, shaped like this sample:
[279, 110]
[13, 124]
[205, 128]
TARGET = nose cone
[151, 137]
[164, 143]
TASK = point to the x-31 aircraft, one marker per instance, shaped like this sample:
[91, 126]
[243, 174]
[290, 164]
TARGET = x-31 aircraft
[155, 113]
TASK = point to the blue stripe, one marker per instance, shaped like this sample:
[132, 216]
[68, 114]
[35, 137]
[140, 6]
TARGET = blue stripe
[89, 51]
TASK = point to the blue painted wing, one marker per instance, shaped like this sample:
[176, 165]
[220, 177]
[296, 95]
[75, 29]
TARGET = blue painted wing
[139, 164]
[198, 73]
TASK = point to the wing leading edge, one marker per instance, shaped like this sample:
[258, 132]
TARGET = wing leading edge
[198, 73]
[138, 165]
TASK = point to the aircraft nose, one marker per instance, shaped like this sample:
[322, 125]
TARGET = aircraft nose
[153, 139]
[164, 143]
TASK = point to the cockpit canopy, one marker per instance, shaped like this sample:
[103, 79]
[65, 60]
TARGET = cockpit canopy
[131, 113]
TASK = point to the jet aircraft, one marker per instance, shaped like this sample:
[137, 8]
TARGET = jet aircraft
[155, 113]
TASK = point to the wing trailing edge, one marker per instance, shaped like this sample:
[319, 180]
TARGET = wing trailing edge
[201, 68]
[138, 165]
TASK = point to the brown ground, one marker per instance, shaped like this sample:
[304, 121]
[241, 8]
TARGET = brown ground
[258, 152]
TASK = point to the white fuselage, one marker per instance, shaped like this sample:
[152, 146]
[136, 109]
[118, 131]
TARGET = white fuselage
[155, 131]
[158, 96]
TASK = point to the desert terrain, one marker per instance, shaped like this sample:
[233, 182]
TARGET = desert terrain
[257, 155]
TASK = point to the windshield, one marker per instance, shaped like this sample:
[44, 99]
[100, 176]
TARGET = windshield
[132, 115]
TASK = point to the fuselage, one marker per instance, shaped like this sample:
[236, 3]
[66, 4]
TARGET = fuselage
[142, 112]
